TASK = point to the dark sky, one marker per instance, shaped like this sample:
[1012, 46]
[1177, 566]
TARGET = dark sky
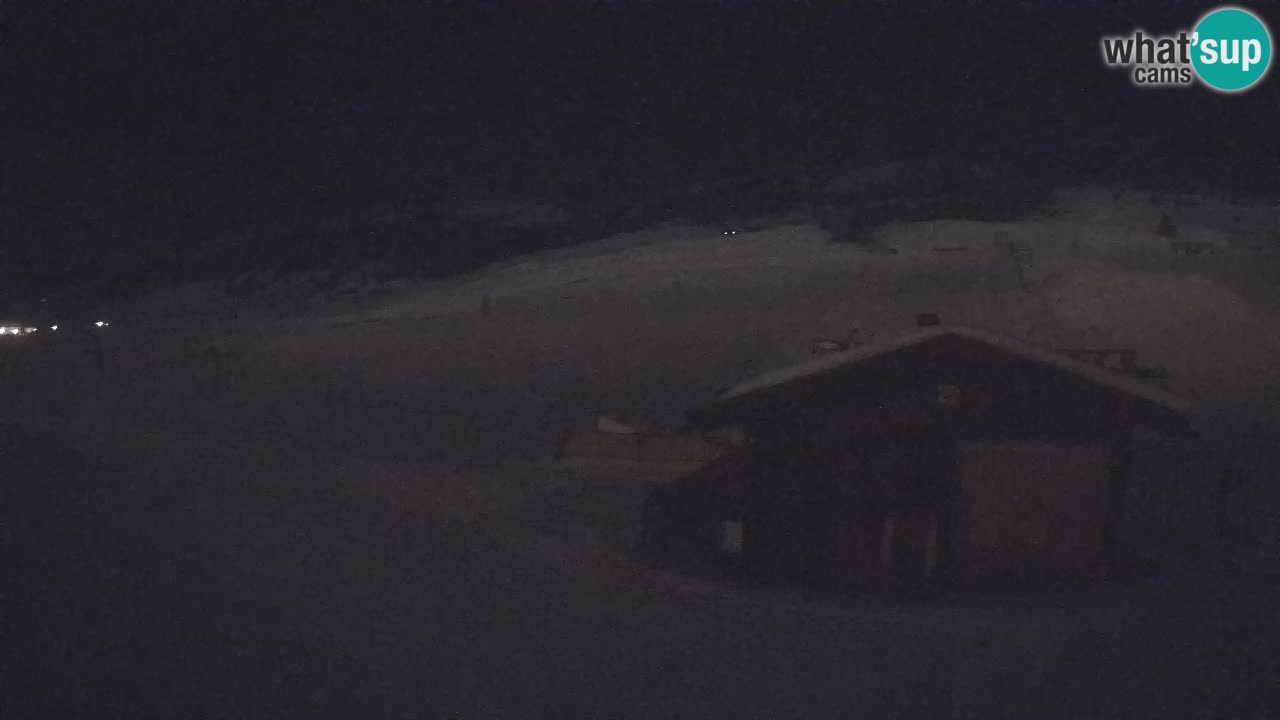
[132, 128]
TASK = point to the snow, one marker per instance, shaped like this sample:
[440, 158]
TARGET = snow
[647, 324]
[200, 575]
[1218, 343]
[352, 487]
[660, 250]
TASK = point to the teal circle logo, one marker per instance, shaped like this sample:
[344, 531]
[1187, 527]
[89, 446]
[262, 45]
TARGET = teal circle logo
[1231, 49]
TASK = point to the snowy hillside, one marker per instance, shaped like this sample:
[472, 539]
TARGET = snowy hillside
[498, 362]
[339, 481]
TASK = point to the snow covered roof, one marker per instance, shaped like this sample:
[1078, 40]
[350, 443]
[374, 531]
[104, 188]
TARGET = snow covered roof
[1099, 376]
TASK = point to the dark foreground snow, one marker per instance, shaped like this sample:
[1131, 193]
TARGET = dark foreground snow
[166, 556]
[180, 576]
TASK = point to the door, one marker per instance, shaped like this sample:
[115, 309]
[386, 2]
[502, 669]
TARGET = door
[893, 485]
[1032, 511]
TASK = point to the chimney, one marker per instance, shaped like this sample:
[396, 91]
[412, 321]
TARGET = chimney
[927, 320]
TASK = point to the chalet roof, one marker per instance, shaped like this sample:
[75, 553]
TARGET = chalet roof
[1109, 379]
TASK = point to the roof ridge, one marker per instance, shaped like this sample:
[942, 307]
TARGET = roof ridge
[1016, 346]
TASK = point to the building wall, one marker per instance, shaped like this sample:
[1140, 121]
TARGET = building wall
[1031, 511]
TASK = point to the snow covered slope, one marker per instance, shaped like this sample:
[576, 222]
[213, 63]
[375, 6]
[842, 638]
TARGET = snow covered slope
[496, 363]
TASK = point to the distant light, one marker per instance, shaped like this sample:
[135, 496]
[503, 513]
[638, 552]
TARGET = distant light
[53, 328]
[100, 324]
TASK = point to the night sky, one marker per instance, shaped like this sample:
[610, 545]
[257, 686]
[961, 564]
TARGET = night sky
[134, 129]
